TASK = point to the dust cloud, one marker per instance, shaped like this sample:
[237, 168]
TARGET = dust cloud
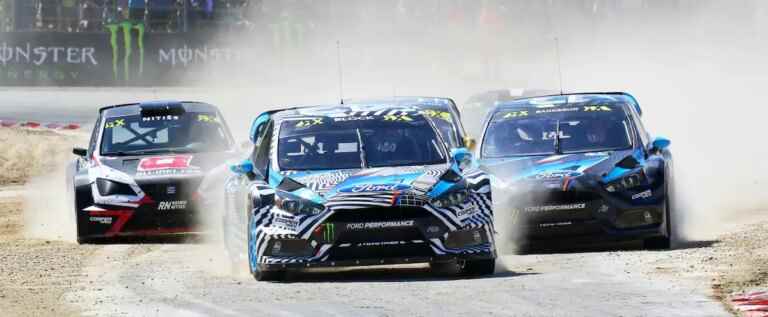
[697, 68]
[37, 160]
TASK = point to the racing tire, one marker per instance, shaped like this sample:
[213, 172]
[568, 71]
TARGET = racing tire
[269, 276]
[444, 268]
[661, 242]
[479, 267]
[657, 243]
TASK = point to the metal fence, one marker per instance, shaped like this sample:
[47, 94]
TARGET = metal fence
[93, 15]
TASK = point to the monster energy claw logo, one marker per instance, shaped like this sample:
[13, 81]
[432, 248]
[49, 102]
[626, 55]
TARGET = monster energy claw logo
[127, 27]
[329, 232]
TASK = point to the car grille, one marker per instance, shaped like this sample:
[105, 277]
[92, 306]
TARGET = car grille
[553, 206]
[396, 242]
[379, 214]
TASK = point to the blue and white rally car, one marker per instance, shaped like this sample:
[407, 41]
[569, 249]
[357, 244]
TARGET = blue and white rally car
[579, 168]
[356, 185]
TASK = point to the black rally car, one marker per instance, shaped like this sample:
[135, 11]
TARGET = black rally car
[147, 170]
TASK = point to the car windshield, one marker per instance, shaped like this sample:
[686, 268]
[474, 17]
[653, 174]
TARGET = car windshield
[189, 132]
[556, 130]
[323, 143]
[445, 124]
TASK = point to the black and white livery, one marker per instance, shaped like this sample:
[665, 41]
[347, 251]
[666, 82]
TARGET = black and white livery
[354, 185]
[147, 170]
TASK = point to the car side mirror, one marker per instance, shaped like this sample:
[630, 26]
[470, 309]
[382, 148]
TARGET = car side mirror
[660, 143]
[462, 157]
[628, 163]
[81, 152]
[243, 168]
[470, 143]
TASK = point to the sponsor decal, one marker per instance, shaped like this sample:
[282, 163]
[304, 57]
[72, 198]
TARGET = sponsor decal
[329, 232]
[172, 205]
[207, 118]
[380, 225]
[555, 224]
[642, 195]
[551, 110]
[128, 30]
[394, 117]
[101, 220]
[597, 108]
[467, 212]
[555, 207]
[309, 122]
[442, 115]
[160, 118]
[515, 215]
[114, 123]
[344, 119]
[286, 222]
[170, 190]
[380, 243]
[550, 175]
[433, 229]
[165, 165]
[362, 188]
[515, 114]
[550, 135]
[603, 209]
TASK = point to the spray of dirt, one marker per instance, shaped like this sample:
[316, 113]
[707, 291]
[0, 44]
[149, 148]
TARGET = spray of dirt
[36, 159]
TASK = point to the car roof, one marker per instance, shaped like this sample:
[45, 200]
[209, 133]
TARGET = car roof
[570, 99]
[134, 108]
[339, 110]
[405, 101]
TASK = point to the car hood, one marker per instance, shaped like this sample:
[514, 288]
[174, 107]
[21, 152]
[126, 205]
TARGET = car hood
[385, 179]
[149, 167]
[552, 170]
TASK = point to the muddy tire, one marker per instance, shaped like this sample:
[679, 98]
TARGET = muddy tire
[479, 267]
[269, 276]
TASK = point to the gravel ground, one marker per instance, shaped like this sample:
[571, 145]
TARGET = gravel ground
[36, 273]
[54, 278]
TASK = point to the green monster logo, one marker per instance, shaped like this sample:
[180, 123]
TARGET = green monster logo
[128, 29]
[329, 232]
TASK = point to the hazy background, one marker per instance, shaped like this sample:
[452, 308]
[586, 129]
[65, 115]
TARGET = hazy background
[697, 67]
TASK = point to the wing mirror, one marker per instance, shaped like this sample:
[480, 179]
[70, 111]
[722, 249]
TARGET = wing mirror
[242, 168]
[81, 152]
[462, 157]
[628, 163]
[660, 143]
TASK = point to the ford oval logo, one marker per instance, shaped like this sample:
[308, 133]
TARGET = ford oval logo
[364, 188]
[552, 175]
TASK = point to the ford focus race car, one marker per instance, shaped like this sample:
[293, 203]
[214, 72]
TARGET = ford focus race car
[443, 112]
[579, 167]
[146, 170]
[355, 185]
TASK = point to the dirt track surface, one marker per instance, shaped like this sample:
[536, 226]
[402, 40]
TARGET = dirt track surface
[36, 273]
[59, 278]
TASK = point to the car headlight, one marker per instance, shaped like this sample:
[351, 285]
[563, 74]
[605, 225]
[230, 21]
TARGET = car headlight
[451, 199]
[298, 206]
[108, 188]
[627, 182]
